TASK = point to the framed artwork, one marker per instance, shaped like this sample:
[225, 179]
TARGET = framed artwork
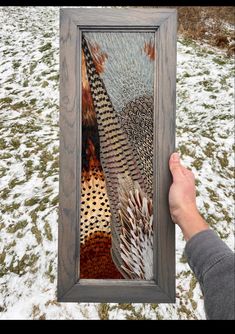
[117, 131]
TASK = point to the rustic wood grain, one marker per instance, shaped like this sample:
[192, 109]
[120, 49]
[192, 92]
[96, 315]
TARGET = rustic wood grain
[163, 22]
[109, 17]
[67, 257]
[165, 145]
[116, 293]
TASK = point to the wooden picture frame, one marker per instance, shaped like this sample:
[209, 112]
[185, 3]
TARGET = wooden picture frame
[163, 22]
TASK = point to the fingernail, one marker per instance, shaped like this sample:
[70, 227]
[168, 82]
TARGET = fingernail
[175, 156]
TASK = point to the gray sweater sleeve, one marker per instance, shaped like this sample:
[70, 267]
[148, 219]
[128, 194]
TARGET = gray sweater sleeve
[213, 264]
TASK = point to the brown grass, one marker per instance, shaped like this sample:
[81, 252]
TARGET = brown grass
[207, 24]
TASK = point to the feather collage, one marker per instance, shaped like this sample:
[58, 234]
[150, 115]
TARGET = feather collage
[116, 223]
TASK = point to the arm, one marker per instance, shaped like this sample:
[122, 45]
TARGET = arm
[208, 256]
[213, 264]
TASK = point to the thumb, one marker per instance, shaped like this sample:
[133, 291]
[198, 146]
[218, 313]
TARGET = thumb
[175, 167]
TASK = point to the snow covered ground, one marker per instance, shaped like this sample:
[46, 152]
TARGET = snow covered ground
[29, 110]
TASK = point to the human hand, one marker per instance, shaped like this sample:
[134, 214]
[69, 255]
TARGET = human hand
[182, 199]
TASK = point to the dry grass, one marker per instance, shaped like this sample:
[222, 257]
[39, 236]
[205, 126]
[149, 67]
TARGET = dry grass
[208, 24]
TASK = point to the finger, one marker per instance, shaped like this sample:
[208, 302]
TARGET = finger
[175, 167]
[175, 157]
[186, 171]
[190, 174]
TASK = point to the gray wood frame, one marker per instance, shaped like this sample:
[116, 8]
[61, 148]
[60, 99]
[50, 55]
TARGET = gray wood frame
[163, 22]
